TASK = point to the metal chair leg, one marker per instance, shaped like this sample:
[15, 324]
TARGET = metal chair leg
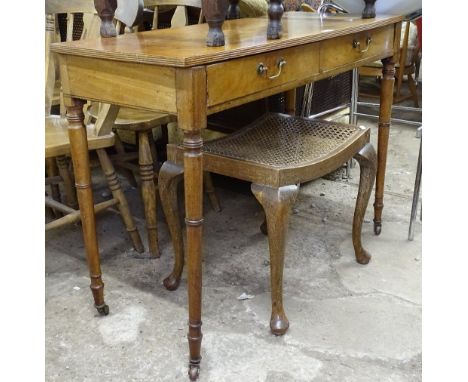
[417, 186]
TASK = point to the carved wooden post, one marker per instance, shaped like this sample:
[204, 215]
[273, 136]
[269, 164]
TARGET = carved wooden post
[369, 10]
[275, 13]
[215, 13]
[106, 10]
[233, 10]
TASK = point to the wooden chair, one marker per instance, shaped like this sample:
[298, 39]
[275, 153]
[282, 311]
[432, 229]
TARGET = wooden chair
[276, 153]
[406, 66]
[99, 137]
[142, 123]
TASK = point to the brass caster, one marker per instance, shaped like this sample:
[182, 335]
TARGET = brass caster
[194, 372]
[377, 228]
[279, 325]
[171, 282]
[103, 310]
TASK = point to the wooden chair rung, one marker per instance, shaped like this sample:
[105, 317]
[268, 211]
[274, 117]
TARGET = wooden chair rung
[73, 215]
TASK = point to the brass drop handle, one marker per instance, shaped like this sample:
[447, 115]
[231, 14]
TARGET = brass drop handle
[262, 69]
[357, 44]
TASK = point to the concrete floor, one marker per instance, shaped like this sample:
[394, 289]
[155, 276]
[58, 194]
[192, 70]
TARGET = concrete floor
[348, 322]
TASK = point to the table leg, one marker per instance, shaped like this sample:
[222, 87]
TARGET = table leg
[386, 101]
[193, 184]
[80, 158]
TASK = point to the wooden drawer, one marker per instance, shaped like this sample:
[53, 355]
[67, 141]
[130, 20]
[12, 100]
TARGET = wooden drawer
[353, 49]
[237, 78]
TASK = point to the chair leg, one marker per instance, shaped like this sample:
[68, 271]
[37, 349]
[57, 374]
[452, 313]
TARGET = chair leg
[117, 193]
[148, 190]
[51, 169]
[68, 186]
[170, 176]
[129, 175]
[277, 203]
[412, 88]
[210, 190]
[154, 155]
[399, 81]
[417, 186]
[367, 159]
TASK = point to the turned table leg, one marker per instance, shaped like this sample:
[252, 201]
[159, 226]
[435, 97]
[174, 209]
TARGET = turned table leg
[386, 100]
[191, 115]
[193, 184]
[80, 158]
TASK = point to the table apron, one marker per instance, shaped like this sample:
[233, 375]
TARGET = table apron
[134, 85]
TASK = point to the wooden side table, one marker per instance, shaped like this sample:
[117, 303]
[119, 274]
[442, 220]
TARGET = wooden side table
[173, 71]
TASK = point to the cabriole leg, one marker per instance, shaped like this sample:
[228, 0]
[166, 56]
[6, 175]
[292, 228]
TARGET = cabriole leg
[367, 159]
[277, 204]
[170, 176]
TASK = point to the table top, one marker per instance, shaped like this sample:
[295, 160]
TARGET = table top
[186, 47]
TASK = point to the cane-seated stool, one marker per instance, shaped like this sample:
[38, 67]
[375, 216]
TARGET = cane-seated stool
[276, 153]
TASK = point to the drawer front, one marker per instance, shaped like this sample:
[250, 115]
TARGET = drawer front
[241, 77]
[363, 46]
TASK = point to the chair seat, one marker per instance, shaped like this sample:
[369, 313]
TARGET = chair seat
[135, 119]
[278, 149]
[57, 142]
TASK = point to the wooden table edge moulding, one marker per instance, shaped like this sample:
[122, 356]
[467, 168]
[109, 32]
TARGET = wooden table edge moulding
[173, 71]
